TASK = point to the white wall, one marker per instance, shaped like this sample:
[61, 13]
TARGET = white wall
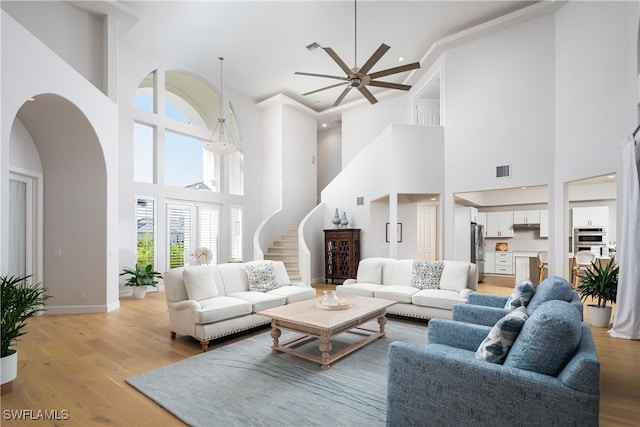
[67, 100]
[362, 125]
[595, 101]
[23, 151]
[329, 156]
[416, 150]
[75, 36]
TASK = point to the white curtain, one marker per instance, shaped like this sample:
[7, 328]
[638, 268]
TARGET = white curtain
[626, 322]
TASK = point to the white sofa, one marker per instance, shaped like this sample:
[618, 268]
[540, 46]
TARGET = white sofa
[391, 279]
[212, 301]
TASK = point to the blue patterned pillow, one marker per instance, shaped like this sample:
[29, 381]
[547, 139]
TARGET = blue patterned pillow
[426, 274]
[497, 344]
[262, 278]
[521, 295]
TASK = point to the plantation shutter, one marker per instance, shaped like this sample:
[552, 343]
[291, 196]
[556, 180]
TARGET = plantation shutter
[236, 234]
[145, 221]
[209, 230]
[179, 219]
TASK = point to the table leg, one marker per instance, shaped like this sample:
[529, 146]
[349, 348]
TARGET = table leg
[275, 334]
[325, 348]
[382, 320]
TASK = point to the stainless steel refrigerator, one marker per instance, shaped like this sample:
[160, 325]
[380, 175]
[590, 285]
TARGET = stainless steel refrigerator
[477, 248]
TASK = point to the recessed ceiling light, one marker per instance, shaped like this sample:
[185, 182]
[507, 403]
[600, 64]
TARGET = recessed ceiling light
[433, 198]
[523, 188]
[400, 58]
[324, 125]
[611, 176]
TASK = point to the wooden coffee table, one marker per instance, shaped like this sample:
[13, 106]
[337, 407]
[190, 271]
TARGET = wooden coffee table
[309, 320]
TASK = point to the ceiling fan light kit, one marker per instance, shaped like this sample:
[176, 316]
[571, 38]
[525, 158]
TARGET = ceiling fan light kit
[360, 78]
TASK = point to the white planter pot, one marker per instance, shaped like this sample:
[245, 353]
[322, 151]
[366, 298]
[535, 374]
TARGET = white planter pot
[599, 316]
[139, 292]
[8, 371]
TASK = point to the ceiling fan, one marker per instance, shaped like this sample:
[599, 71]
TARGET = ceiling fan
[360, 78]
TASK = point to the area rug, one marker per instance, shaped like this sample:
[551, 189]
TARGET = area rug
[244, 384]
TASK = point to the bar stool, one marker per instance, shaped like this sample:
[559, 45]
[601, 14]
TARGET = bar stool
[582, 262]
[543, 264]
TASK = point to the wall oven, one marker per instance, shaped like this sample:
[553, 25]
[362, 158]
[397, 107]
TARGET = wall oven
[590, 239]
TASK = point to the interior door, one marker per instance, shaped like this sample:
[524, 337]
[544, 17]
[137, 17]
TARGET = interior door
[427, 227]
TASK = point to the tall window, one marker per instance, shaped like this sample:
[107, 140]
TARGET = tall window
[192, 226]
[175, 113]
[146, 224]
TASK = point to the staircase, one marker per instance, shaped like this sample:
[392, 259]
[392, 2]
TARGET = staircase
[286, 250]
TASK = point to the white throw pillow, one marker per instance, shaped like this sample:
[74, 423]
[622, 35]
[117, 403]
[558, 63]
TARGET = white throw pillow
[454, 276]
[370, 272]
[199, 283]
[261, 277]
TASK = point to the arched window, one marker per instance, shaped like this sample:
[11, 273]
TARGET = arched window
[175, 114]
[170, 139]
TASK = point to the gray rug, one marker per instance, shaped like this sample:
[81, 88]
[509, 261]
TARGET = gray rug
[244, 384]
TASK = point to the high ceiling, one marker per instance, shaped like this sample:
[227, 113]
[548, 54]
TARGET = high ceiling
[264, 42]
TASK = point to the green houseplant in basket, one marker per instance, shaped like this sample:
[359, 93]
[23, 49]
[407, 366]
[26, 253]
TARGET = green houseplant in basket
[600, 283]
[140, 278]
[19, 300]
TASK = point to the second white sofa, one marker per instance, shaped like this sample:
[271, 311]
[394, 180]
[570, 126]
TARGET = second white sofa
[212, 301]
[392, 279]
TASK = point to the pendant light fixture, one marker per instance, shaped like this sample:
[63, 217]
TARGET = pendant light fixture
[221, 141]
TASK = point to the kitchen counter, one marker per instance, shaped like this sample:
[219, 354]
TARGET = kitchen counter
[526, 266]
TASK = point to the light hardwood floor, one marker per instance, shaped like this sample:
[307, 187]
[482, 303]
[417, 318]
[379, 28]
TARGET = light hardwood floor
[78, 363]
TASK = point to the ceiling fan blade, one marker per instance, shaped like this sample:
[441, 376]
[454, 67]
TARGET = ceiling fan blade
[321, 75]
[363, 90]
[338, 61]
[374, 58]
[389, 85]
[324, 88]
[394, 70]
[342, 95]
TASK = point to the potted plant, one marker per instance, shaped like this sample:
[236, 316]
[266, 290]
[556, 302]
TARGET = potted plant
[20, 300]
[599, 282]
[141, 277]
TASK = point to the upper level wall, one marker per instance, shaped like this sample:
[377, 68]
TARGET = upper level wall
[74, 35]
[403, 159]
[499, 108]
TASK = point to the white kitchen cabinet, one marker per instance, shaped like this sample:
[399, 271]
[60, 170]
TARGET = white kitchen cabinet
[526, 217]
[498, 262]
[500, 224]
[504, 263]
[593, 216]
[482, 220]
[490, 262]
[544, 223]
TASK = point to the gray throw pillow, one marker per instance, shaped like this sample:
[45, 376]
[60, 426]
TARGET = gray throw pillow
[426, 274]
[521, 295]
[261, 277]
[497, 344]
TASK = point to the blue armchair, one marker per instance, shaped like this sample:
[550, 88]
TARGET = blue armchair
[551, 375]
[486, 309]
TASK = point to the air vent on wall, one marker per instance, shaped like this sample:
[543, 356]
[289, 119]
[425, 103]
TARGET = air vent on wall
[503, 171]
